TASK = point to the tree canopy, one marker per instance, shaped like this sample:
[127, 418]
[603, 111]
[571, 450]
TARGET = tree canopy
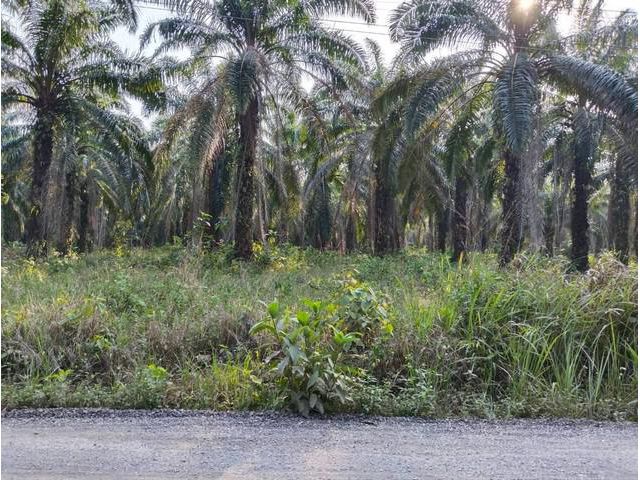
[489, 130]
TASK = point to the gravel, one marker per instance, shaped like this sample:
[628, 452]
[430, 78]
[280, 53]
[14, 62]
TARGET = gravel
[178, 444]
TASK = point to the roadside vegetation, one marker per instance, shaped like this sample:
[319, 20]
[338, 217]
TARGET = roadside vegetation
[409, 334]
[303, 222]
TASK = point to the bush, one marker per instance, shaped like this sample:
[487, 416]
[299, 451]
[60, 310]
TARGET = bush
[409, 334]
[308, 354]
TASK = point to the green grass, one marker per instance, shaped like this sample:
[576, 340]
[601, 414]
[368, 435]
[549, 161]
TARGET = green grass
[170, 328]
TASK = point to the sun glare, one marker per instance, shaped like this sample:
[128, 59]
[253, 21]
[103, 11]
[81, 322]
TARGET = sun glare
[525, 6]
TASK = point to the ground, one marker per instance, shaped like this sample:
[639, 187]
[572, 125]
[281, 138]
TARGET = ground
[408, 334]
[92, 444]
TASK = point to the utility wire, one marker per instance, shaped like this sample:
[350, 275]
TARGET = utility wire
[348, 22]
[166, 9]
[545, 47]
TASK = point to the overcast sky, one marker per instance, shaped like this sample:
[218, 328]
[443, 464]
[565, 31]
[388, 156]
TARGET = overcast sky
[354, 27]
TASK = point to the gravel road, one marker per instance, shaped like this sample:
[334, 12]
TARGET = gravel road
[106, 444]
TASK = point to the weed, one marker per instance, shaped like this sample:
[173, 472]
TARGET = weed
[409, 334]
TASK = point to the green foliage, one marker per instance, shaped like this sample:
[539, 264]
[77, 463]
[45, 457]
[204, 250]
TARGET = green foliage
[610, 90]
[308, 356]
[362, 310]
[514, 99]
[167, 328]
[147, 389]
[370, 158]
[66, 81]
[59, 376]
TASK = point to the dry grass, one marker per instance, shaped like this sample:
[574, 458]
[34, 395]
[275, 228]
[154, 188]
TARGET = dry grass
[170, 327]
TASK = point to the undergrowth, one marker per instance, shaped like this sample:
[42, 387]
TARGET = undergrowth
[409, 334]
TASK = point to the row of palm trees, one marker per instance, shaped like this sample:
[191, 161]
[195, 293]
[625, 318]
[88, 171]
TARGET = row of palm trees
[370, 157]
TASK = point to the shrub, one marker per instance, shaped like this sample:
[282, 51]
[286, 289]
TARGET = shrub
[408, 334]
[362, 309]
[308, 354]
[147, 390]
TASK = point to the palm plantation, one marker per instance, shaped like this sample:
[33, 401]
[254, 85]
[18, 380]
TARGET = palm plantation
[245, 70]
[511, 58]
[64, 70]
[300, 219]
[262, 48]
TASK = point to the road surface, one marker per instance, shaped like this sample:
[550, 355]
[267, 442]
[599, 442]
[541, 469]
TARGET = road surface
[106, 444]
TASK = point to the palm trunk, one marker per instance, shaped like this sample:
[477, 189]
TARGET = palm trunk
[581, 182]
[459, 220]
[322, 218]
[349, 194]
[620, 206]
[634, 236]
[85, 230]
[442, 229]
[218, 186]
[511, 209]
[350, 234]
[549, 228]
[552, 218]
[66, 239]
[579, 220]
[561, 209]
[244, 209]
[42, 157]
[483, 225]
[386, 237]
[417, 241]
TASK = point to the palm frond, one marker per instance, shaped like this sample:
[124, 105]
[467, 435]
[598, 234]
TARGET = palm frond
[364, 9]
[424, 25]
[514, 97]
[604, 87]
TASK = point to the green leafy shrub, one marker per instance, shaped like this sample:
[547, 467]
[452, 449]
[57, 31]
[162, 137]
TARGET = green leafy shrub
[308, 354]
[122, 296]
[363, 310]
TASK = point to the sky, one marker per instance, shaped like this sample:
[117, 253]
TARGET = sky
[353, 26]
[356, 28]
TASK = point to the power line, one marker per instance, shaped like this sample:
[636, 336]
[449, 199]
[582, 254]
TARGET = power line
[386, 34]
[346, 22]
[166, 9]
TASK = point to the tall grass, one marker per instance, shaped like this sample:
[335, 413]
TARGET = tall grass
[529, 340]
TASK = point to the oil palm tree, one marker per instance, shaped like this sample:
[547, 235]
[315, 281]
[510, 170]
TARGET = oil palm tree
[503, 45]
[100, 169]
[612, 44]
[347, 152]
[624, 180]
[243, 51]
[16, 141]
[54, 64]
[469, 150]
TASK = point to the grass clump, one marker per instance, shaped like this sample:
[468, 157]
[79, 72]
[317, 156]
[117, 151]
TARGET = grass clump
[409, 334]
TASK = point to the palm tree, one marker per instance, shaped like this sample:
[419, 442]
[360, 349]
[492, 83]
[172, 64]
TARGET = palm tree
[624, 180]
[99, 172]
[243, 51]
[503, 48]
[610, 44]
[468, 158]
[589, 131]
[16, 140]
[54, 65]
[114, 169]
[346, 135]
